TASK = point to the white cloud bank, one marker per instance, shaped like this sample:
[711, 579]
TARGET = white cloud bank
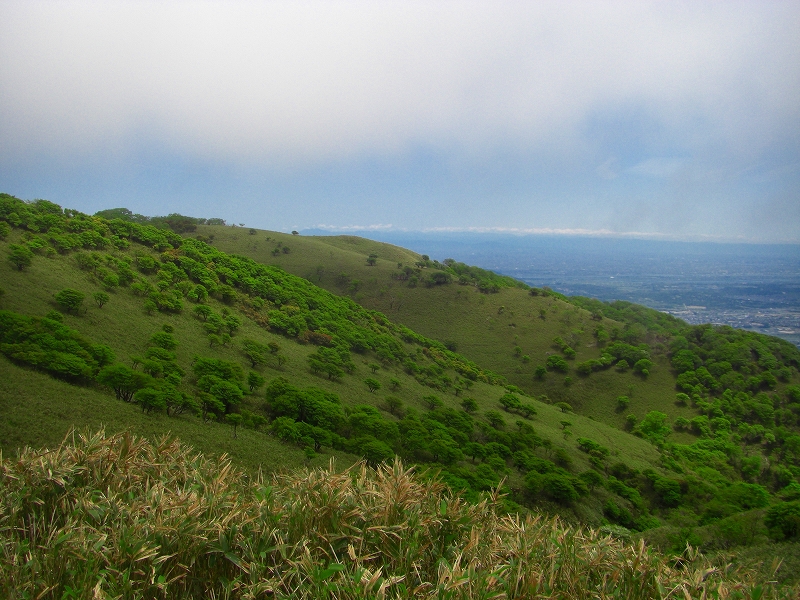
[308, 81]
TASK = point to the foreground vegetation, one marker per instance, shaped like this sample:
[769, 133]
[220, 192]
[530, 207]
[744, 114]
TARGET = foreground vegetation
[118, 517]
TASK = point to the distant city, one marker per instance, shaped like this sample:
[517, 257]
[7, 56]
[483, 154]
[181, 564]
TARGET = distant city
[749, 286]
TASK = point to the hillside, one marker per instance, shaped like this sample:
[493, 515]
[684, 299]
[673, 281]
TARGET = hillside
[607, 415]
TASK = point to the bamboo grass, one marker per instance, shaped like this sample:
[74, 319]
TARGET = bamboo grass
[120, 517]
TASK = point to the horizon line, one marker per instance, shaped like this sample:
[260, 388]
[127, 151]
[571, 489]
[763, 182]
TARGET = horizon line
[566, 232]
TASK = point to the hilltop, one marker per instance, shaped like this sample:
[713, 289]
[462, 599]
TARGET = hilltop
[285, 350]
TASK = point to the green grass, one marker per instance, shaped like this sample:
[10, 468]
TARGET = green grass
[486, 328]
[124, 325]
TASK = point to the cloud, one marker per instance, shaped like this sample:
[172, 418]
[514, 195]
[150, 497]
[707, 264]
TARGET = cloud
[376, 227]
[548, 114]
[312, 81]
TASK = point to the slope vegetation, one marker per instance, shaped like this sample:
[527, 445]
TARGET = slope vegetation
[611, 415]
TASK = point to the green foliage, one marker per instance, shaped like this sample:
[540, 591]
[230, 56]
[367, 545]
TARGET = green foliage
[556, 363]
[654, 426]
[101, 299]
[20, 256]
[50, 346]
[372, 384]
[70, 300]
[784, 519]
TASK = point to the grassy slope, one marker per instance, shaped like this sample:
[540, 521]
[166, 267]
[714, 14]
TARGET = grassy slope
[485, 328]
[38, 410]
[126, 328]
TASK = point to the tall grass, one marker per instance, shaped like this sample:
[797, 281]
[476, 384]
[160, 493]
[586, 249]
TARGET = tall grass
[119, 517]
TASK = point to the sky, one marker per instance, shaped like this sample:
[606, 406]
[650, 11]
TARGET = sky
[671, 120]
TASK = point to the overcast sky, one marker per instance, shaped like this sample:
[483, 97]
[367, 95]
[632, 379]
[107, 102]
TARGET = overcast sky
[672, 119]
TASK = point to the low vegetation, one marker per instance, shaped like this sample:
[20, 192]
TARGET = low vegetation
[119, 517]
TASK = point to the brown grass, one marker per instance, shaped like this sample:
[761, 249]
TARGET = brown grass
[120, 517]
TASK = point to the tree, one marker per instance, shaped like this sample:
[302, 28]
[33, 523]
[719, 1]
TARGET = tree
[254, 351]
[469, 405]
[254, 381]
[643, 366]
[394, 382]
[69, 299]
[556, 363]
[372, 259]
[373, 385]
[232, 322]
[101, 298]
[150, 399]
[495, 419]
[540, 373]
[235, 419]
[563, 407]
[510, 402]
[591, 478]
[210, 406]
[394, 405]
[475, 450]
[374, 367]
[20, 256]
[164, 340]
[203, 311]
[784, 519]
[432, 402]
[123, 380]
[654, 426]
[559, 488]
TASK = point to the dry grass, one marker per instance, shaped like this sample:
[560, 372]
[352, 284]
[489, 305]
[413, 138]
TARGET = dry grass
[120, 517]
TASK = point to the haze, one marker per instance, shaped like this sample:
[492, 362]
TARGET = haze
[675, 120]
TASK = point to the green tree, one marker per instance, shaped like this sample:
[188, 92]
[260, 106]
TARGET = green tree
[254, 351]
[20, 256]
[556, 363]
[101, 298]
[70, 300]
[655, 427]
[784, 519]
[372, 384]
[234, 419]
[203, 311]
[123, 380]
[432, 402]
[164, 340]
[495, 419]
[150, 399]
[372, 259]
[469, 405]
[254, 381]
[394, 405]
